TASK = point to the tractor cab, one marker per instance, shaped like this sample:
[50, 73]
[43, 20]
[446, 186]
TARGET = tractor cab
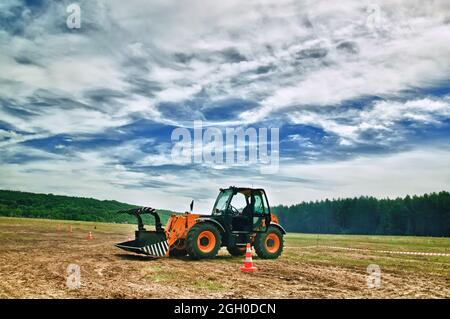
[242, 209]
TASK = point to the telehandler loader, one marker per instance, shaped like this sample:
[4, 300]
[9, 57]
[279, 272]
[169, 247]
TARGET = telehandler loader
[239, 216]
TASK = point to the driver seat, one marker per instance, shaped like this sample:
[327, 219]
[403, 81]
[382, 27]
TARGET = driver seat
[242, 222]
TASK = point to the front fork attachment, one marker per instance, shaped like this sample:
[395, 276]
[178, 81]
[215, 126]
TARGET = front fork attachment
[137, 212]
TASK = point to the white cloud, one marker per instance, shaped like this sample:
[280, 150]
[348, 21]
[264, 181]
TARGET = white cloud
[51, 121]
[382, 116]
[300, 56]
[427, 110]
[5, 134]
[94, 174]
[412, 51]
[414, 172]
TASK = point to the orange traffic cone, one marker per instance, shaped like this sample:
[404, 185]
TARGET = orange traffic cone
[89, 237]
[248, 263]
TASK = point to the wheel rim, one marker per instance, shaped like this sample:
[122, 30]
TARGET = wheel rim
[206, 241]
[272, 243]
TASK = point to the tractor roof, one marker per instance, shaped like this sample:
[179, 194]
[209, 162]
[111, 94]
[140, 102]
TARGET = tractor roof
[244, 190]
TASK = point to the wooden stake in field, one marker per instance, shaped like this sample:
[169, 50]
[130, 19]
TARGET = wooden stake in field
[70, 228]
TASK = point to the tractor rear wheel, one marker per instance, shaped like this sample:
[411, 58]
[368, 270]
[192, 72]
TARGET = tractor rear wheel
[203, 241]
[269, 245]
[236, 250]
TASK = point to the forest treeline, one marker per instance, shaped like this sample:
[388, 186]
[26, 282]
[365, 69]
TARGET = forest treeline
[22, 204]
[425, 215]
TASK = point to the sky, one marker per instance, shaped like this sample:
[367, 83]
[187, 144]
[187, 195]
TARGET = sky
[359, 90]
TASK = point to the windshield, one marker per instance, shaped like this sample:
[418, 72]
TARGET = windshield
[221, 201]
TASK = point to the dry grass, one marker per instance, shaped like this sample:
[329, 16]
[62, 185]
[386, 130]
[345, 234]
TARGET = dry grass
[35, 255]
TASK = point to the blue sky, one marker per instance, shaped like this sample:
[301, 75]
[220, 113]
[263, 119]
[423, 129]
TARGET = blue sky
[360, 91]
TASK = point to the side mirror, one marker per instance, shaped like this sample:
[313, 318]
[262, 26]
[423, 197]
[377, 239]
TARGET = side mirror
[192, 205]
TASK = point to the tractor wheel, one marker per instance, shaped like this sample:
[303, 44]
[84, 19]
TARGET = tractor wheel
[236, 250]
[269, 245]
[179, 250]
[203, 241]
[177, 253]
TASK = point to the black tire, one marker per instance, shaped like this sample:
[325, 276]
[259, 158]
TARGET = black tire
[177, 253]
[192, 247]
[263, 242]
[236, 250]
[179, 250]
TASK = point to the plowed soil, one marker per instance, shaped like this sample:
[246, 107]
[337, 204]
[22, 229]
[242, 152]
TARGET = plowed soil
[35, 254]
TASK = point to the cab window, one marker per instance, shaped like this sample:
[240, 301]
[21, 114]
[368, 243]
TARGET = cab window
[259, 205]
[221, 202]
[239, 201]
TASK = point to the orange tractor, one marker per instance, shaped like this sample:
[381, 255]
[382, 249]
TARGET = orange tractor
[239, 216]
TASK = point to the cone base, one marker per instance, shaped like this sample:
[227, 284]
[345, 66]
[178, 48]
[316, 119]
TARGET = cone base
[248, 269]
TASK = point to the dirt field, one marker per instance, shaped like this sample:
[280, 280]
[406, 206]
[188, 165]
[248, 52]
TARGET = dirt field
[35, 254]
